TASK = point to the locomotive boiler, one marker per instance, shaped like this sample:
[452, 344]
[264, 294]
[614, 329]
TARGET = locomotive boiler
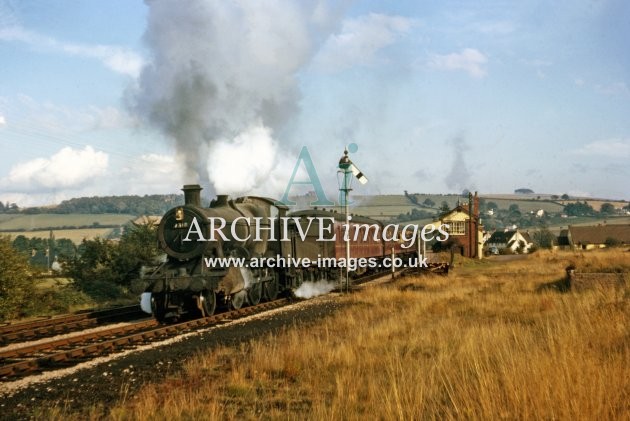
[190, 235]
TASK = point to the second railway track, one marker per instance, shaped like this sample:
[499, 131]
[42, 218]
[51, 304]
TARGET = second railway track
[48, 355]
[20, 360]
[51, 326]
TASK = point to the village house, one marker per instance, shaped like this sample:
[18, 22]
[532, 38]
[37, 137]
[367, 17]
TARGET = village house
[594, 237]
[465, 231]
[513, 240]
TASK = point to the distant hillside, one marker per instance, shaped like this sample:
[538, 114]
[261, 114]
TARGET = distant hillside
[384, 207]
[155, 204]
[47, 221]
[73, 226]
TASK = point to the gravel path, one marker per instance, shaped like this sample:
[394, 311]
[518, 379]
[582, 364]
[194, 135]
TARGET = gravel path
[112, 378]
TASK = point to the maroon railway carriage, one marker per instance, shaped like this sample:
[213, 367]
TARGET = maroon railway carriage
[370, 246]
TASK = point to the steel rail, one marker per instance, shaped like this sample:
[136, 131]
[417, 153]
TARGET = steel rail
[55, 325]
[97, 343]
[94, 344]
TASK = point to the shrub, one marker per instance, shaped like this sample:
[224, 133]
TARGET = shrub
[15, 282]
[611, 242]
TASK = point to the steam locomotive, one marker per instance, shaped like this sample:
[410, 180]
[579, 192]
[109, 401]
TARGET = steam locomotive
[258, 239]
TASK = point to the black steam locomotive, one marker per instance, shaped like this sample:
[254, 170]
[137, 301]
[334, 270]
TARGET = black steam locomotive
[260, 242]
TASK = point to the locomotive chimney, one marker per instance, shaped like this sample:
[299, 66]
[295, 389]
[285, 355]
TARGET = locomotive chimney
[222, 200]
[192, 194]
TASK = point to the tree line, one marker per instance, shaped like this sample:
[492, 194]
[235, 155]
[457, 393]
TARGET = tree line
[99, 270]
[155, 204]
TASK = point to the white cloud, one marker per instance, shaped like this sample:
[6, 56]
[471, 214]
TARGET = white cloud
[67, 169]
[147, 174]
[3, 121]
[152, 173]
[360, 39]
[105, 118]
[618, 88]
[119, 59]
[614, 148]
[469, 60]
[61, 120]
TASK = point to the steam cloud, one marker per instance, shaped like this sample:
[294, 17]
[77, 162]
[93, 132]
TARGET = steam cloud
[459, 175]
[313, 289]
[222, 80]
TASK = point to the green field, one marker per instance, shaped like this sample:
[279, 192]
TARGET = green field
[383, 207]
[75, 227]
[388, 206]
[557, 224]
[20, 222]
[74, 235]
[528, 205]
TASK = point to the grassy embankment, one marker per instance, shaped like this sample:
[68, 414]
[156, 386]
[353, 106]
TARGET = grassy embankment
[490, 341]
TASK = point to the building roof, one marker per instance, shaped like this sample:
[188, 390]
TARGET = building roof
[501, 237]
[599, 233]
[456, 209]
[563, 238]
[504, 237]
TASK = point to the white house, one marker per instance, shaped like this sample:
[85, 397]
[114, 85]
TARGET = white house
[514, 240]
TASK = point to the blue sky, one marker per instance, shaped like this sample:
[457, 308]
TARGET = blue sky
[123, 97]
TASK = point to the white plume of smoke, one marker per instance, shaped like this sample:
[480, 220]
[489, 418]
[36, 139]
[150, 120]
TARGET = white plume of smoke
[313, 289]
[222, 78]
[252, 161]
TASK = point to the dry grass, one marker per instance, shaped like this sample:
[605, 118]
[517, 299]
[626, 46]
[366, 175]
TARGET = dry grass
[603, 260]
[484, 343]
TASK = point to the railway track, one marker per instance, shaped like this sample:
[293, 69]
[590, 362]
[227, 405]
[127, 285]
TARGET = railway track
[20, 360]
[51, 326]
[49, 355]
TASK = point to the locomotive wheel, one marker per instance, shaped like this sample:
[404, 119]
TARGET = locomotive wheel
[254, 293]
[209, 302]
[270, 288]
[237, 300]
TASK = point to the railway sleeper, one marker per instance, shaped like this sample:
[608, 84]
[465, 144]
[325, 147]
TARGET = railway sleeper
[18, 368]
